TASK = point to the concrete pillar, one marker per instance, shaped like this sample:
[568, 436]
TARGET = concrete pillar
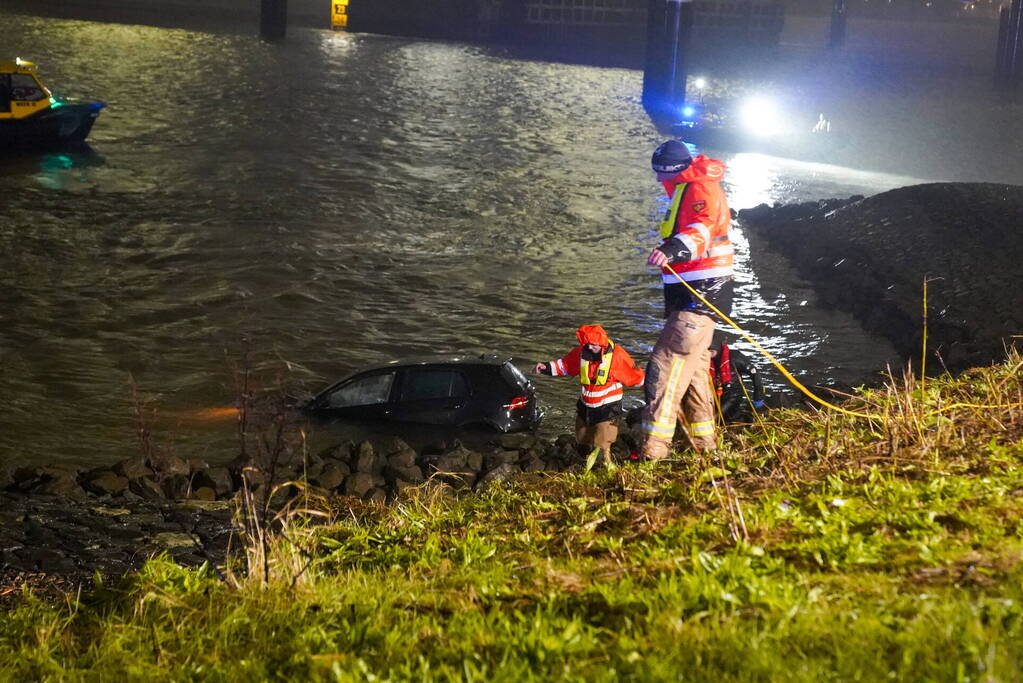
[669, 30]
[839, 15]
[1002, 51]
[273, 19]
[1014, 47]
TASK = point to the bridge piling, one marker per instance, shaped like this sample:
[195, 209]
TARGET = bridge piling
[273, 19]
[669, 30]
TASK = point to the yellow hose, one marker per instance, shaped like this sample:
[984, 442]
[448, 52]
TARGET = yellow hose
[799, 385]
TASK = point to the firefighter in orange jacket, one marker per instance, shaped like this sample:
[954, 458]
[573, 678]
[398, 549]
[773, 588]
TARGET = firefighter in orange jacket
[602, 367]
[695, 248]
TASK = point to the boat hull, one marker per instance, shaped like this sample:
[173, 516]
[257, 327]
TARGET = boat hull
[66, 124]
[809, 146]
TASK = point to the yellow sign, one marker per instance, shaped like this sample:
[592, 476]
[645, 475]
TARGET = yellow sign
[338, 13]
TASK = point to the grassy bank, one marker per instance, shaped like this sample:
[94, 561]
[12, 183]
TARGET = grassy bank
[817, 548]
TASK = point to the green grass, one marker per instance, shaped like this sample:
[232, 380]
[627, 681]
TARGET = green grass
[818, 548]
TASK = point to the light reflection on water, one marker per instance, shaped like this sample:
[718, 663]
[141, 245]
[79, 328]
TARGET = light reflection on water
[335, 201]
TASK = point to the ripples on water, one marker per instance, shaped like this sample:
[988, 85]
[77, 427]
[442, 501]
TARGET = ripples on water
[341, 200]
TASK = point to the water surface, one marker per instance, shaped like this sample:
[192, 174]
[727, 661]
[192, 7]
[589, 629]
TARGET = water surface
[309, 207]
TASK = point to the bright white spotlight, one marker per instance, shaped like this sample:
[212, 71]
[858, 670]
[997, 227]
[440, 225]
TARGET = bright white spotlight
[701, 83]
[688, 112]
[761, 116]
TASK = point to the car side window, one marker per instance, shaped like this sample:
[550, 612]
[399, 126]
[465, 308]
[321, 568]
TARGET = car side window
[363, 391]
[422, 385]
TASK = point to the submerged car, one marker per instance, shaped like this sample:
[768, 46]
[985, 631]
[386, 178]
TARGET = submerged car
[464, 392]
[30, 115]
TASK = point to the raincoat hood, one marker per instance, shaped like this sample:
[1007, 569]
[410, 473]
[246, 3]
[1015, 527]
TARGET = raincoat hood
[592, 334]
[702, 169]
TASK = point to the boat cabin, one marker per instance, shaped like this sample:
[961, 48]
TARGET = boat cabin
[21, 93]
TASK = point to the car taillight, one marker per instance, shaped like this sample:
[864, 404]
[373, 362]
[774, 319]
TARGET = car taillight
[517, 402]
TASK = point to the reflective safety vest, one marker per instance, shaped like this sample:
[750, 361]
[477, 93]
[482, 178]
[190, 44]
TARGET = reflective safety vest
[671, 215]
[597, 392]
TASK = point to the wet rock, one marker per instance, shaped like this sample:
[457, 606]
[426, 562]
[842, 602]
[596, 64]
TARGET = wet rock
[402, 459]
[367, 460]
[25, 478]
[107, 483]
[499, 474]
[413, 474]
[359, 484]
[133, 468]
[204, 493]
[566, 444]
[170, 540]
[495, 459]
[342, 451]
[398, 445]
[147, 488]
[377, 495]
[458, 467]
[197, 465]
[253, 477]
[520, 441]
[45, 560]
[221, 506]
[217, 478]
[168, 465]
[177, 486]
[331, 476]
[534, 464]
[59, 480]
[402, 485]
[454, 461]
[364, 448]
[110, 512]
[433, 450]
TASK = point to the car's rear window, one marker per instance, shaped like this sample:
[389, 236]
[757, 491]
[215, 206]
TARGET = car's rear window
[421, 385]
[514, 375]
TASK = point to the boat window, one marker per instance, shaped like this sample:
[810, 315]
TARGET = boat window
[24, 88]
[5, 93]
[363, 391]
[422, 385]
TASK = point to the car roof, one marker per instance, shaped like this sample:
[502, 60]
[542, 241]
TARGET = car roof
[411, 361]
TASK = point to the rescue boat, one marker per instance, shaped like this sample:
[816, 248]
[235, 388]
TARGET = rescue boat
[30, 115]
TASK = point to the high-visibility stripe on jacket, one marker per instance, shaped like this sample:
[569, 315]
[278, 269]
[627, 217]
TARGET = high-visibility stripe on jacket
[602, 383]
[699, 218]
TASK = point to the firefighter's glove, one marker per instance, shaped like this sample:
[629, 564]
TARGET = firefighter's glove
[675, 251]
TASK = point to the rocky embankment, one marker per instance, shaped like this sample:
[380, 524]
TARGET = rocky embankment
[60, 524]
[871, 255]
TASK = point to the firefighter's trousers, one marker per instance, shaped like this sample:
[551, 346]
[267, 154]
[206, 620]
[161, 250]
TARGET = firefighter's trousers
[600, 435]
[678, 386]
